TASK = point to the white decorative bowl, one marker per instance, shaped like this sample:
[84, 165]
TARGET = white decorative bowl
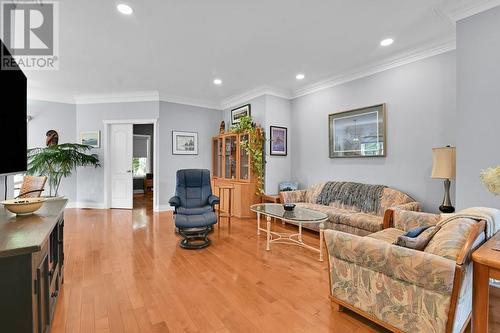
[23, 206]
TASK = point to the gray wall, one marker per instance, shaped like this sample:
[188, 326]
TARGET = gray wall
[187, 118]
[266, 111]
[421, 106]
[257, 111]
[90, 117]
[278, 168]
[478, 73]
[62, 118]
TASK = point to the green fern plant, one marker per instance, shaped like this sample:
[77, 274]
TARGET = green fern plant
[254, 146]
[59, 161]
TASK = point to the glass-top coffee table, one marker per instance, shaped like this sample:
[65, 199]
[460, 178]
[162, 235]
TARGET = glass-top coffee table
[299, 216]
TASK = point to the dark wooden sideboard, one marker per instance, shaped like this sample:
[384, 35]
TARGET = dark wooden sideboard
[31, 267]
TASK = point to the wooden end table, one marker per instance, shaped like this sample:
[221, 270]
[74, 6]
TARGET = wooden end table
[486, 266]
[272, 198]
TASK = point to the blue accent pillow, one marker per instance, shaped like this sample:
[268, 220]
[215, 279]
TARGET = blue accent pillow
[416, 231]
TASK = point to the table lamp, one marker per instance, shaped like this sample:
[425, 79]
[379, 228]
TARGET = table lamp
[443, 167]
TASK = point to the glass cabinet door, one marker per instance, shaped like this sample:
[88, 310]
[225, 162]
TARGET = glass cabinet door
[244, 160]
[217, 158]
[230, 157]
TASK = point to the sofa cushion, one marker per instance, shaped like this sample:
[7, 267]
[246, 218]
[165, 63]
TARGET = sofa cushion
[313, 193]
[389, 235]
[365, 221]
[450, 239]
[369, 222]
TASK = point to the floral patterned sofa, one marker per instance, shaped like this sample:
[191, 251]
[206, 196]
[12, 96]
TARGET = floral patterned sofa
[402, 289]
[349, 218]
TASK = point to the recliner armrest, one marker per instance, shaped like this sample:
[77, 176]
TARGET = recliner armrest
[213, 200]
[175, 201]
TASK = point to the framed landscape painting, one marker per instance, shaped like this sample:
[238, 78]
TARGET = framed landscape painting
[358, 133]
[278, 141]
[184, 143]
[237, 113]
[91, 138]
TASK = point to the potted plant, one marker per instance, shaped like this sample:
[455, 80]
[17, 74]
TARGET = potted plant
[254, 146]
[58, 161]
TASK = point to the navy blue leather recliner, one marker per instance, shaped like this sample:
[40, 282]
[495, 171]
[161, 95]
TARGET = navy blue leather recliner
[194, 206]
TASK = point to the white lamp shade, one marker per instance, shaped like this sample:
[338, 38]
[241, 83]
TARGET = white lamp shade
[443, 162]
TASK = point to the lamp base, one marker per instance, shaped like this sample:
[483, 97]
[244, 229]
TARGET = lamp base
[447, 209]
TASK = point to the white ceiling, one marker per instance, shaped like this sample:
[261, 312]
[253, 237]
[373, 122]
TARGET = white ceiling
[178, 47]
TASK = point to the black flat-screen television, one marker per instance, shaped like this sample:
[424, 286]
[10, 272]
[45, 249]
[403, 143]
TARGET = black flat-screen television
[13, 121]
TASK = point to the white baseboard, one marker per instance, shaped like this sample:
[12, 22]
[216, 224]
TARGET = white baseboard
[163, 208]
[88, 205]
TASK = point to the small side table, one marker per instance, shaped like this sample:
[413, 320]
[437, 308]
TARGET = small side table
[223, 189]
[271, 198]
[486, 266]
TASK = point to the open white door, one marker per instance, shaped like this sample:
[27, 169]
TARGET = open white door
[120, 153]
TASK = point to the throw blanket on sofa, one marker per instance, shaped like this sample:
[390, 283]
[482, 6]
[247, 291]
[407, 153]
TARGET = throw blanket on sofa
[490, 215]
[365, 197]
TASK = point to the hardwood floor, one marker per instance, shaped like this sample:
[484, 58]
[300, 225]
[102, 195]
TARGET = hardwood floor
[124, 272]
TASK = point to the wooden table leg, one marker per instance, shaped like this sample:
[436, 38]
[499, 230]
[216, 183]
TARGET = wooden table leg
[480, 298]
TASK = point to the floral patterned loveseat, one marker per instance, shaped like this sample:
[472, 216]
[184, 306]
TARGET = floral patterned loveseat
[349, 218]
[402, 289]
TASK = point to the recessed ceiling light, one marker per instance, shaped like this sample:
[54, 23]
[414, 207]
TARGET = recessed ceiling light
[300, 76]
[387, 42]
[124, 9]
[217, 82]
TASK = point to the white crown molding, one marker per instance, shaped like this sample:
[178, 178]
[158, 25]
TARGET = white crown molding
[251, 94]
[137, 96]
[473, 8]
[40, 95]
[190, 101]
[409, 57]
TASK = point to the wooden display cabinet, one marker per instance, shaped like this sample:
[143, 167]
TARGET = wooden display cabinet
[232, 166]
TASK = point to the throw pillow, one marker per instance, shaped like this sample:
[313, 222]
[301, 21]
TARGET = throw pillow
[420, 242]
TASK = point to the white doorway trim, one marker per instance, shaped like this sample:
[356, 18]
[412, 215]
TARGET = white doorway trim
[107, 170]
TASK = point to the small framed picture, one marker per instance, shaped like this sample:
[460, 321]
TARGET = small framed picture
[184, 143]
[278, 141]
[91, 138]
[237, 113]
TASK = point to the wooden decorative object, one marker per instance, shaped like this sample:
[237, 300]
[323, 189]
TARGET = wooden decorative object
[222, 127]
[23, 206]
[231, 166]
[32, 186]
